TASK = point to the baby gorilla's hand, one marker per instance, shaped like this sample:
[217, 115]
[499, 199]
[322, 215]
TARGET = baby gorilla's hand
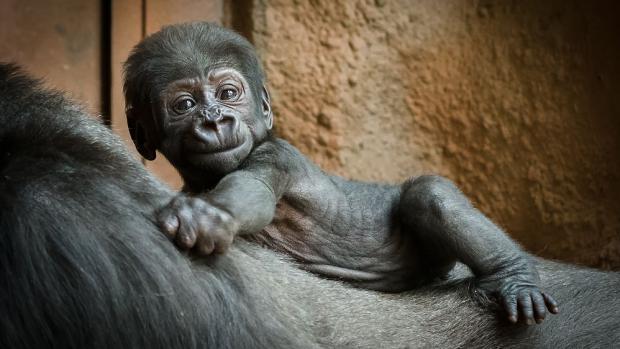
[194, 223]
[521, 298]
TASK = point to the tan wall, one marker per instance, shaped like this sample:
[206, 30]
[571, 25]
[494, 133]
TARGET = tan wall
[516, 101]
[58, 40]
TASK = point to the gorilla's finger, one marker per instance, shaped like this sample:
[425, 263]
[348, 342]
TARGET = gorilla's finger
[170, 225]
[187, 234]
[510, 305]
[223, 242]
[168, 221]
[551, 303]
[204, 245]
[525, 306]
[540, 309]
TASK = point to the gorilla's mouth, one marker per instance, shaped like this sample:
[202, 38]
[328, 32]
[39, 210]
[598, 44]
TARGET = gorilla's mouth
[232, 150]
[222, 159]
[215, 142]
[223, 149]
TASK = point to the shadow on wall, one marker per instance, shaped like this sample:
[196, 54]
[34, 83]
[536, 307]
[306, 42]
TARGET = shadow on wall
[516, 101]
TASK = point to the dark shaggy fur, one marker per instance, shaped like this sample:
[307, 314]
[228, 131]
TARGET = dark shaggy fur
[82, 265]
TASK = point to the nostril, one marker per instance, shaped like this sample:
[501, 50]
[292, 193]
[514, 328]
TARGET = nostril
[211, 125]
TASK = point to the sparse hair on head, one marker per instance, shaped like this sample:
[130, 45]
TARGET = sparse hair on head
[184, 50]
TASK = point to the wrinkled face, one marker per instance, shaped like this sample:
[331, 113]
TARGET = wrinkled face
[211, 122]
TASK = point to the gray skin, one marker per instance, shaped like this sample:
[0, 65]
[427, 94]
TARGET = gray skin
[196, 93]
[84, 265]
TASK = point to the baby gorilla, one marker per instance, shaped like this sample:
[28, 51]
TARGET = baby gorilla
[196, 93]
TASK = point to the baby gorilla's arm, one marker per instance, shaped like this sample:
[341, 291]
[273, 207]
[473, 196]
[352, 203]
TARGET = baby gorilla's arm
[241, 203]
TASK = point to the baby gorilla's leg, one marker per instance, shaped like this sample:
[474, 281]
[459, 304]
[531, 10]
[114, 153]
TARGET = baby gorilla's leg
[447, 227]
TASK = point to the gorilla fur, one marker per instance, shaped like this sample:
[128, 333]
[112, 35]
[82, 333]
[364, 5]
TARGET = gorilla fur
[83, 264]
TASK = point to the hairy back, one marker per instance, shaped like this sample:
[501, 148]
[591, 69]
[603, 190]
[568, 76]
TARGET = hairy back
[82, 263]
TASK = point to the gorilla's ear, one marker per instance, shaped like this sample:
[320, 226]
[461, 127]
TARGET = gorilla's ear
[266, 103]
[139, 133]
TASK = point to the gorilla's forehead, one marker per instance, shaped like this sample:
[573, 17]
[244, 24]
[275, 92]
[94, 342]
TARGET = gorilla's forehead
[192, 63]
[204, 68]
[212, 76]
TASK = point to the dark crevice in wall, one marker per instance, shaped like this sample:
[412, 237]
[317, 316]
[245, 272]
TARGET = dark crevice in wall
[106, 61]
[238, 16]
[143, 34]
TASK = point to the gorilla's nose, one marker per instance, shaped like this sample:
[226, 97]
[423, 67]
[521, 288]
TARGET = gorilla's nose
[212, 114]
[215, 119]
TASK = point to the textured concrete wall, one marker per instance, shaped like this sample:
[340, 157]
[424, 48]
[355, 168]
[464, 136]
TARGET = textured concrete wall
[516, 101]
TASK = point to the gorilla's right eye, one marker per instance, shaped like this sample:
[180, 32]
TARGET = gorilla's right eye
[182, 105]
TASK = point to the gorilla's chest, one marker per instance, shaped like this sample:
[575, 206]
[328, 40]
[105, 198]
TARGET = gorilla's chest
[296, 231]
[328, 235]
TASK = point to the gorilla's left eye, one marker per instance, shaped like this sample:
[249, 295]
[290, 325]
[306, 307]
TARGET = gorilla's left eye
[227, 94]
[183, 105]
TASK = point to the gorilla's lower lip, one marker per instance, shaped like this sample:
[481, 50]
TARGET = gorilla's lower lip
[218, 150]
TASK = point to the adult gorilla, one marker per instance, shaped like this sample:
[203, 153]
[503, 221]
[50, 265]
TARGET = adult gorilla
[83, 264]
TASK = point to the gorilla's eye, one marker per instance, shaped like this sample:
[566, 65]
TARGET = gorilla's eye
[182, 105]
[227, 94]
